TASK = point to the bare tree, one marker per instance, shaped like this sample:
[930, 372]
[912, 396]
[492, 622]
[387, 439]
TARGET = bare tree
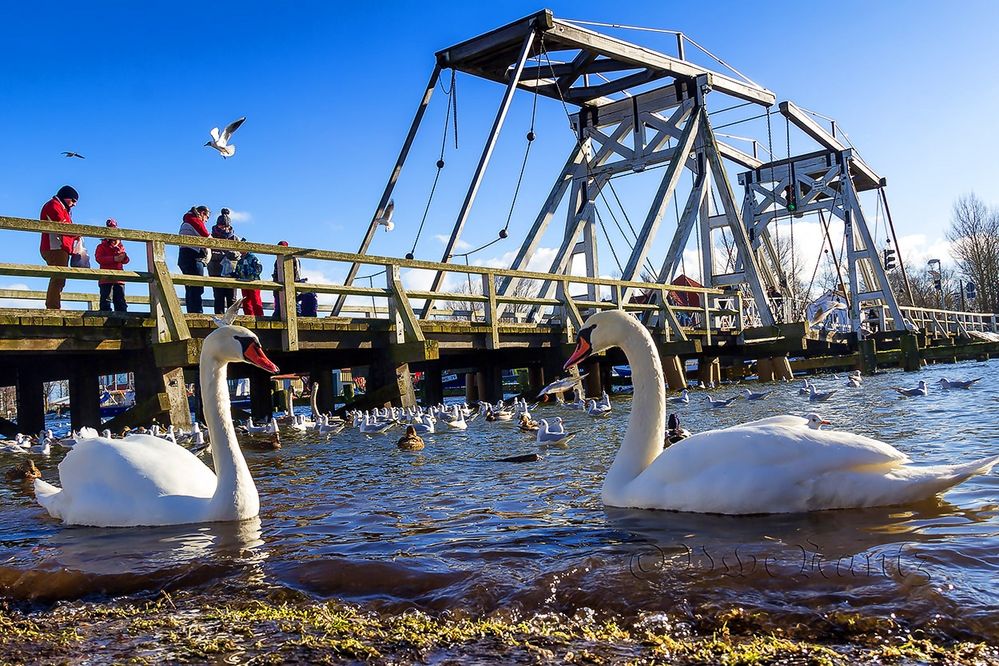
[974, 240]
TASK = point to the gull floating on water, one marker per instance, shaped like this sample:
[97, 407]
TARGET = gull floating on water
[756, 396]
[921, 389]
[70, 153]
[957, 383]
[819, 396]
[386, 219]
[805, 390]
[716, 404]
[683, 397]
[220, 141]
[815, 422]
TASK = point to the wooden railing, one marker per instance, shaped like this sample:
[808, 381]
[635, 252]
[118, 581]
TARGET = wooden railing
[719, 311]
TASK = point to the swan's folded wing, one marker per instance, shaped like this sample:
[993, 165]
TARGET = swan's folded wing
[769, 445]
[140, 465]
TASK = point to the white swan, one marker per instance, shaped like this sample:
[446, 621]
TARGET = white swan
[775, 465]
[145, 480]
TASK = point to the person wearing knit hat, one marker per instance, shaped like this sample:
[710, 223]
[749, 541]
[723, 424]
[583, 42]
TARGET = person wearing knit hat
[57, 248]
[111, 256]
[296, 263]
[222, 262]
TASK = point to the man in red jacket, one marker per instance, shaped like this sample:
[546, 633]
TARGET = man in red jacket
[56, 248]
[111, 256]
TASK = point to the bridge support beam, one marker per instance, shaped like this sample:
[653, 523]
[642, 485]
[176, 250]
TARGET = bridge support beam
[911, 361]
[322, 381]
[674, 372]
[390, 382]
[868, 356]
[781, 368]
[433, 384]
[489, 380]
[535, 380]
[471, 388]
[30, 403]
[709, 371]
[593, 384]
[84, 400]
[261, 395]
[764, 370]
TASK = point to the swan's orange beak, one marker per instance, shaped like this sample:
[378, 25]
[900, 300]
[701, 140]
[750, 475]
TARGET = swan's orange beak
[583, 348]
[254, 353]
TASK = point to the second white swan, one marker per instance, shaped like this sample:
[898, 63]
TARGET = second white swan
[774, 465]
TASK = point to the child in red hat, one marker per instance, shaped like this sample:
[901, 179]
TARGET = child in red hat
[111, 256]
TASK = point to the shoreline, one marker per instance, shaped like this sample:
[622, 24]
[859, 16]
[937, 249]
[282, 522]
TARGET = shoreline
[284, 627]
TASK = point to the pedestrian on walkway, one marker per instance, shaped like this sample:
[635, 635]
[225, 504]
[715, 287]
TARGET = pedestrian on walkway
[111, 256]
[248, 268]
[191, 260]
[57, 248]
[223, 262]
[296, 262]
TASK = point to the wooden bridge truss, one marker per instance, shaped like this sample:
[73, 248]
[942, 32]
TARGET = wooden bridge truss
[640, 109]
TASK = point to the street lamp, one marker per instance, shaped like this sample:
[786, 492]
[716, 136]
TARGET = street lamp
[937, 280]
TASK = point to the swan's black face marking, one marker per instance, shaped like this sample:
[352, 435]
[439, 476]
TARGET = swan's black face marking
[254, 353]
[583, 347]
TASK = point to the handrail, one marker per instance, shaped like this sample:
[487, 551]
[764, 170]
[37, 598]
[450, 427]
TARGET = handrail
[164, 303]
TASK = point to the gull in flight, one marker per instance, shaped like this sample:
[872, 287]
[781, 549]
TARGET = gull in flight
[69, 153]
[220, 142]
[560, 385]
[386, 218]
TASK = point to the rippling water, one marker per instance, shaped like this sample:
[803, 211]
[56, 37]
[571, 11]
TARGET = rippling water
[449, 529]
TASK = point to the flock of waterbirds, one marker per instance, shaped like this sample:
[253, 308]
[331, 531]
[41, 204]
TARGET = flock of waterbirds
[778, 464]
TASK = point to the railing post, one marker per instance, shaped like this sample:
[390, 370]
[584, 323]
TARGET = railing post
[163, 302]
[401, 316]
[289, 302]
[489, 291]
[707, 318]
[572, 321]
[740, 314]
[668, 317]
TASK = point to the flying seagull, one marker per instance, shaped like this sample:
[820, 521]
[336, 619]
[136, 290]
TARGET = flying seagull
[69, 153]
[560, 385]
[386, 218]
[220, 142]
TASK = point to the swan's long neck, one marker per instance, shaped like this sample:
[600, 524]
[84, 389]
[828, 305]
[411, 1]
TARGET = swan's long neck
[235, 491]
[643, 441]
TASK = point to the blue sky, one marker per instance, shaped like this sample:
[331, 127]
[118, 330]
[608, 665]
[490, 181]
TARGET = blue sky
[329, 90]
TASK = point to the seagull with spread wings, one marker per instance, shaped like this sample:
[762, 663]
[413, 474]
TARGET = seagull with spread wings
[69, 153]
[220, 141]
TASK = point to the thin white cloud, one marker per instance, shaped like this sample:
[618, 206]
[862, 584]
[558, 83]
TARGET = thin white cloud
[459, 245]
[241, 216]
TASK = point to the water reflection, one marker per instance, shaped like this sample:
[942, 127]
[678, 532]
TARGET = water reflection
[448, 529]
[77, 561]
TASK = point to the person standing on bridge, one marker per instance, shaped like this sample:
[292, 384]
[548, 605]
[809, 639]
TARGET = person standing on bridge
[249, 268]
[223, 262]
[111, 255]
[57, 248]
[192, 259]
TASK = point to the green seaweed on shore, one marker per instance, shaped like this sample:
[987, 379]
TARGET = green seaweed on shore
[193, 629]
